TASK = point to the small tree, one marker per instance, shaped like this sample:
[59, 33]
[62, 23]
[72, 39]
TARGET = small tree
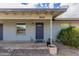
[69, 36]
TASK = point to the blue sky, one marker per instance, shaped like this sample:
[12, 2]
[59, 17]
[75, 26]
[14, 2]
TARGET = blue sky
[42, 5]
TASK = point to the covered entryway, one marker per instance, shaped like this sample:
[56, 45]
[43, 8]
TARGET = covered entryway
[35, 25]
[39, 32]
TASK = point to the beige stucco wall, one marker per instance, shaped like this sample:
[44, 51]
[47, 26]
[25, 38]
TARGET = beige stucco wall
[55, 30]
[57, 26]
[9, 30]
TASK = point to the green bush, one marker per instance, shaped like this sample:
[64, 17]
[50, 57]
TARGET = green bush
[69, 36]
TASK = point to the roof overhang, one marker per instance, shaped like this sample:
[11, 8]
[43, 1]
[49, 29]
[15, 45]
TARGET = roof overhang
[52, 12]
[67, 19]
[31, 9]
[72, 14]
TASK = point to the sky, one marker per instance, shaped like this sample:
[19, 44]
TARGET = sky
[30, 5]
[39, 1]
[42, 5]
[25, 1]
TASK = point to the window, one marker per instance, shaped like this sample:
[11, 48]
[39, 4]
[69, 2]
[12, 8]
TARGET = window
[21, 28]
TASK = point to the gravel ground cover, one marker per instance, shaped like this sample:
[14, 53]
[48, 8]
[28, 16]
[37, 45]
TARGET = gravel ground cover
[67, 51]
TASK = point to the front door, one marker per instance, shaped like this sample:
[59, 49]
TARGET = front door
[1, 31]
[39, 32]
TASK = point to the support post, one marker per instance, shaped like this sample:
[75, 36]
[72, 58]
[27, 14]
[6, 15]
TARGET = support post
[51, 32]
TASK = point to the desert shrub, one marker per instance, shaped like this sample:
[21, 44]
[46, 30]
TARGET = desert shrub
[69, 36]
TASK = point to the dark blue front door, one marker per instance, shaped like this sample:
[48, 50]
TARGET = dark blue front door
[39, 32]
[1, 31]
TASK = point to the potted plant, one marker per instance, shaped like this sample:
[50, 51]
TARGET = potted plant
[48, 42]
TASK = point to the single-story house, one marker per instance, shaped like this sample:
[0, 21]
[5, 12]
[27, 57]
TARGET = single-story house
[28, 24]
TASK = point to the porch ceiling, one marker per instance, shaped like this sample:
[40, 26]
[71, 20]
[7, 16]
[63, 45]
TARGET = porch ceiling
[30, 14]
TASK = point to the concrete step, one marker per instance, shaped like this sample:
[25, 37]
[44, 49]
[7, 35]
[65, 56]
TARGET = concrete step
[24, 52]
[21, 45]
